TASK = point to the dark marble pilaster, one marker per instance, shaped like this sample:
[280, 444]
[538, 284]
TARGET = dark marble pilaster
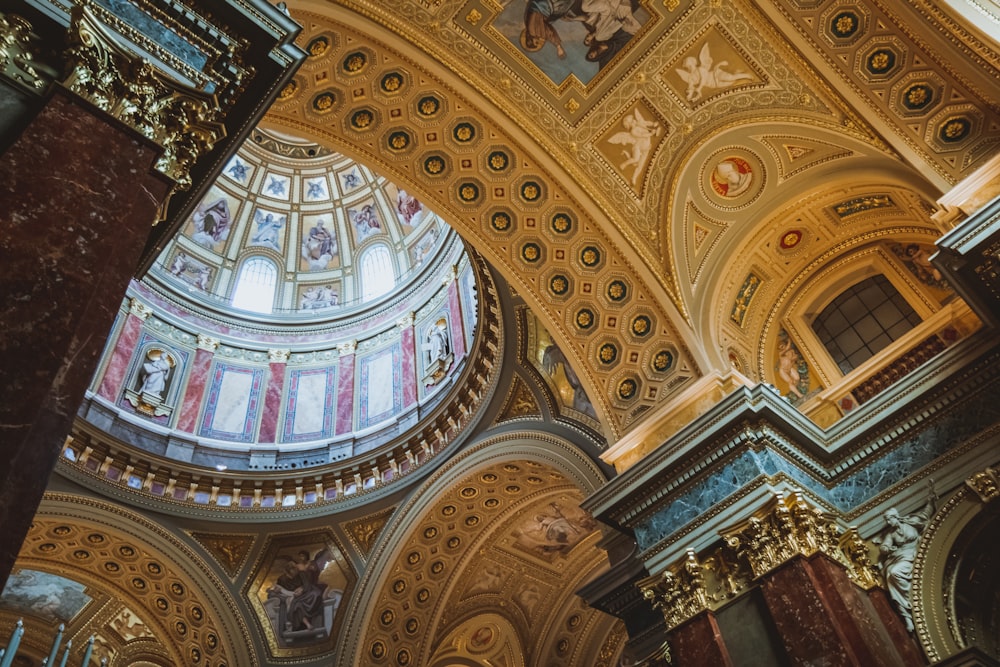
[699, 642]
[823, 618]
[78, 196]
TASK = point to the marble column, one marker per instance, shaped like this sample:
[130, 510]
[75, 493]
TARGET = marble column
[345, 388]
[272, 395]
[824, 618]
[411, 370]
[114, 375]
[78, 197]
[197, 379]
[699, 642]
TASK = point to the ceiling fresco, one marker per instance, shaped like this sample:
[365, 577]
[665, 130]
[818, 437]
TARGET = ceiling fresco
[603, 218]
[707, 118]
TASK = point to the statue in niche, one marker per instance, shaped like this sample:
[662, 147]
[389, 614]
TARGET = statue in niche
[152, 383]
[897, 545]
[438, 356]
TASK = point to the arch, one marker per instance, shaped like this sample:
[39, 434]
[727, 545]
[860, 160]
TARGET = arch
[429, 161]
[940, 558]
[184, 580]
[550, 452]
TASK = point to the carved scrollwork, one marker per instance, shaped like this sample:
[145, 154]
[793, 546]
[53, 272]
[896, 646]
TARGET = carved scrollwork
[696, 584]
[16, 60]
[785, 527]
[180, 119]
[985, 484]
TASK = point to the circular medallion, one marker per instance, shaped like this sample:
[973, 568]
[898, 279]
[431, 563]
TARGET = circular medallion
[731, 177]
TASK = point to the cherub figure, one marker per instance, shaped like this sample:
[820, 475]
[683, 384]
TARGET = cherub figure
[701, 74]
[638, 135]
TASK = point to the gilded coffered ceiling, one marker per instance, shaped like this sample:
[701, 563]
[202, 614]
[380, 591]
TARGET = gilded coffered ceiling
[612, 181]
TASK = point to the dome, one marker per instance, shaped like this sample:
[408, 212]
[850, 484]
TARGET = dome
[307, 313]
[293, 234]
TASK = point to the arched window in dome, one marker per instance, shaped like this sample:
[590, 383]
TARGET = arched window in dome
[256, 285]
[377, 273]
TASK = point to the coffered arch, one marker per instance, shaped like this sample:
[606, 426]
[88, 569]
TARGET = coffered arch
[374, 100]
[433, 564]
[141, 566]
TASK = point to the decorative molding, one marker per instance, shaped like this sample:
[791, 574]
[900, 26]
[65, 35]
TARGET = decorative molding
[231, 551]
[16, 59]
[182, 120]
[785, 527]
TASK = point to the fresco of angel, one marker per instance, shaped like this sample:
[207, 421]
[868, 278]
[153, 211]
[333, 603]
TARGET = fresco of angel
[638, 136]
[702, 73]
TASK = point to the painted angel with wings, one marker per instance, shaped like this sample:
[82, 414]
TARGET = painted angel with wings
[702, 73]
[638, 136]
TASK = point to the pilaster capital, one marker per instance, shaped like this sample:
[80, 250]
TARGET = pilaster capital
[139, 309]
[207, 343]
[278, 356]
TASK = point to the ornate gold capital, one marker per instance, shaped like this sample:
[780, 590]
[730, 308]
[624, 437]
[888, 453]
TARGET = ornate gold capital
[985, 484]
[207, 343]
[16, 60]
[180, 119]
[347, 348]
[786, 527]
[139, 309]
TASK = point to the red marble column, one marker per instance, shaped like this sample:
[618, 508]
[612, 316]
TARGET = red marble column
[78, 196]
[410, 369]
[698, 641]
[823, 618]
[457, 318]
[345, 389]
[187, 421]
[272, 395]
[114, 374]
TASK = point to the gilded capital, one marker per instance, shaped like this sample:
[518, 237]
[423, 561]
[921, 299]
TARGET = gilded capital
[182, 120]
[139, 309]
[786, 527]
[277, 356]
[985, 484]
[347, 348]
[207, 343]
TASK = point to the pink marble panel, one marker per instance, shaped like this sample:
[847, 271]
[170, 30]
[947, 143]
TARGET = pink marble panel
[345, 394]
[114, 375]
[457, 335]
[409, 376]
[272, 402]
[188, 418]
